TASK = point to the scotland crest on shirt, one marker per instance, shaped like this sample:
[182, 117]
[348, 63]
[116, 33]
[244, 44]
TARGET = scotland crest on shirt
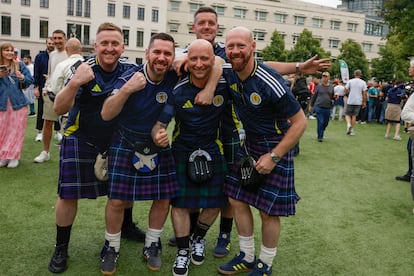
[161, 97]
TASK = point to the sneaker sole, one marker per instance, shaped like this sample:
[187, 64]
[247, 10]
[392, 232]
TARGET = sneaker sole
[108, 272]
[174, 274]
[217, 255]
[197, 262]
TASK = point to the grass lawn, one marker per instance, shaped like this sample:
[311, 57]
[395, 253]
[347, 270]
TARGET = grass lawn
[353, 218]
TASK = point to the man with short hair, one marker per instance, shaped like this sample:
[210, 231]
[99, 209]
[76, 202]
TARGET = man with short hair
[356, 88]
[86, 135]
[49, 116]
[273, 121]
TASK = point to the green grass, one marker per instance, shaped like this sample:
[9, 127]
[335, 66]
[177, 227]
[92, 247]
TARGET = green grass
[353, 218]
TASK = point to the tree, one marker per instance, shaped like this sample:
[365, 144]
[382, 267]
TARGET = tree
[306, 47]
[399, 14]
[276, 50]
[351, 52]
[391, 64]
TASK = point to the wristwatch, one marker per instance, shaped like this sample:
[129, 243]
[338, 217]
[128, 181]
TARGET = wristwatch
[275, 157]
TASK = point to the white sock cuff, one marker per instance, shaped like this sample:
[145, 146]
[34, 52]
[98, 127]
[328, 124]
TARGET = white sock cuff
[114, 240]
[152, 235]
[267, 255]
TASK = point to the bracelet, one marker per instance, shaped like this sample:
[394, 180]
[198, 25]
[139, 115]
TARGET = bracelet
[297, 68]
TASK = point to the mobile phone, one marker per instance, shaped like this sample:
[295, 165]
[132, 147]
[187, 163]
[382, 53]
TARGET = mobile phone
[3, 67]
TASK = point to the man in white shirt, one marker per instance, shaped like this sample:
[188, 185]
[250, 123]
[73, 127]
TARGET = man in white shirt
[357, 98]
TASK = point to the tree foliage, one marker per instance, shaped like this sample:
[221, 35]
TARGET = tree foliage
[306, 47]
[351, 52]
[391, 64]
[399, 15]
[276, 49]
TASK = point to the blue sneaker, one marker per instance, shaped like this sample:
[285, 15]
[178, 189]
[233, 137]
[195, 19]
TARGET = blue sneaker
[223, 245]
[261, 269]
[236, 265]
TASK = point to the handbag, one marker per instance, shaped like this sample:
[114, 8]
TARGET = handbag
[101, 166]
[199, 167]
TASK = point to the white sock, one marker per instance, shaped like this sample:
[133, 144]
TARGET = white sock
[152, 235]
[349, 125]
[114, 240]
[247, 246]
[267, 255]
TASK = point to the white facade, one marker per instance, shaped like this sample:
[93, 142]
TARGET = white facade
[21, 22]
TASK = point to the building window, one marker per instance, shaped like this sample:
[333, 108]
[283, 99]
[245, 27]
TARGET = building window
[138, 61]
[299, 20]
[71, 8]
[25, 27]
[87, 8]
[173, 27]
[86, 35]
[194, 7]
[44, 29]
[154, 15]
[295, 38]
[74, 30]
[333, 43]
[126, 37]
[6, 1]
[25, 2]
[126, 11]
[219, 10]
[140, 39]
[367, 47]
[352, 27]
[260, 15]
[373, 29]
[111, 9]
[78, 7]
[317, 22]
[221, 31]
[44, 3]
[190, 29]
[5, 25]
[174, 5]
[239, 13]
[259, 35]
[141, 13]
[335, 25]
[280, 18]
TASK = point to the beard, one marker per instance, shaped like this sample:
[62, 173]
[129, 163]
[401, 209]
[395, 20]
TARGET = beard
[239, 62]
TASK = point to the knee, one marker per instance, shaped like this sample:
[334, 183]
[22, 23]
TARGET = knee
[116, 204]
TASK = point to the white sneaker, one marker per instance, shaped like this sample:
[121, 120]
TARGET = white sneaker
[39, 137]
[312, 117]
[398, 138]
[3, 163]
[42, 157]
[13, 163]
[58, 136]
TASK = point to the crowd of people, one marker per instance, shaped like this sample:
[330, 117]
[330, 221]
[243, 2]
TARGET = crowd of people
[237, 124]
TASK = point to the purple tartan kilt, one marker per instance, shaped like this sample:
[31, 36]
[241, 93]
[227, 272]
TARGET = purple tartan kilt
[276, 195]
[76, 173]
[196, 195]
[126, 183]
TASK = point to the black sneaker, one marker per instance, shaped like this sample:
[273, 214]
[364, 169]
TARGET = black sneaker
[133, 233]
[404, 177]
[182, 261]
[108, 262]
[198, 246]
[153, 255]
[58, 263]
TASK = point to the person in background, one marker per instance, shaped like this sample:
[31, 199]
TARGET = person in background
[395, 96]
[373, 95]
[49, 116]
[407, 115]
[29, 91]
[339, 93]
[321, 103]
[13, 106]
[356, 89]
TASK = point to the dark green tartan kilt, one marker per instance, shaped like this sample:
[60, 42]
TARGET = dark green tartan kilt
[200, 195]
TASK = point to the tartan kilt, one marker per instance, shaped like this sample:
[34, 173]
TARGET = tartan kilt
[76, 171]
[126, 183]
[196, 195]
[276, 195]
